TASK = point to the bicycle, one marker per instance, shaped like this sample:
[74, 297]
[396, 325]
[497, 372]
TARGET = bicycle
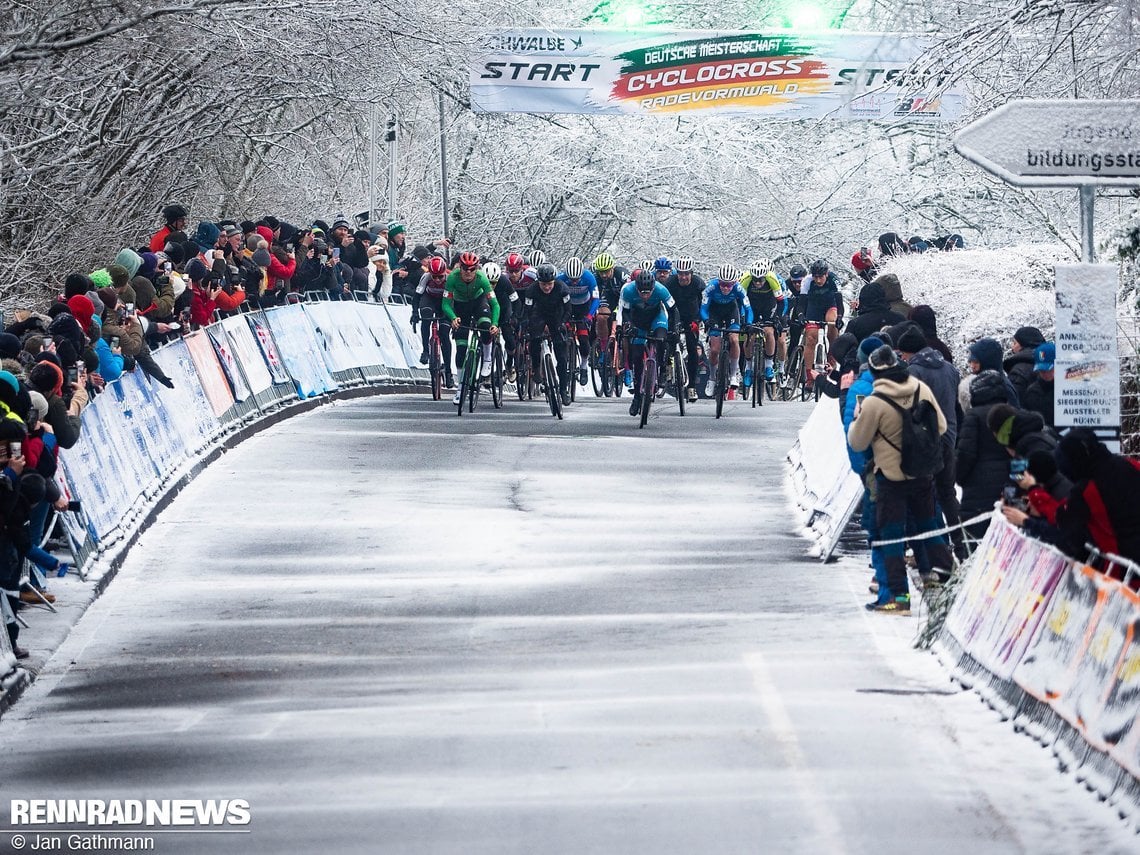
[648, 388]
[469, 384]
[676, 368]
[498, 373]
[435, 352]
[820, 355]
[524, 380]
[756, 336]
[550, 377]
[603, 355]
[572, 358]
[723, 371]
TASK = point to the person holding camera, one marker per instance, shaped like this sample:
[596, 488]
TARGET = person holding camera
[204, 290]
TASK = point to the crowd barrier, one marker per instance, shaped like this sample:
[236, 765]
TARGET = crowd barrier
[138, 436]
[1052, 645]
[826, 489]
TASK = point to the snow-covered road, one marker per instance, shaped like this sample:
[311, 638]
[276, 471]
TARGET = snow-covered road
[392, 630]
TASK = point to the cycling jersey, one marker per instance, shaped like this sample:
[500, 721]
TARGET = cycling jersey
[819, 299]
[551, 309]
[507, 296]
[609, 289]
[650, 311]
[714, 297]
[584, 292]
[688, 297]
[469, 293]
[765, 295]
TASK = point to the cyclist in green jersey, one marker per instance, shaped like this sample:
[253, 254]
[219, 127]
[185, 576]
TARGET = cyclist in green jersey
[469, 299]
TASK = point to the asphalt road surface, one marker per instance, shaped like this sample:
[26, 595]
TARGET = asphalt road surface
[389, 629]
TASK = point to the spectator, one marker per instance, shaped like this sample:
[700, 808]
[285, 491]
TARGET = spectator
[63, 415]
[282, 268]
[892, 290]
[926, 364]
[121, 282]
[356, 256]
[864, 264]
[379, 277]
[879, 427]
[204, 291]
[174, 231]
[924, 316]
[874, 313]
[982, 463]
[1038, 397]
[1021, 432]
[985, 355]
[40, 450]
[1019, 365]
[1045, 487]
[15, 510]
[891, 244]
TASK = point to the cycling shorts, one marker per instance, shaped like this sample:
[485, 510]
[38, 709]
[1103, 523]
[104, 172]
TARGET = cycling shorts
[724, 313]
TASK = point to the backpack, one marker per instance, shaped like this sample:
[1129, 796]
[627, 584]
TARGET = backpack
[921, 443]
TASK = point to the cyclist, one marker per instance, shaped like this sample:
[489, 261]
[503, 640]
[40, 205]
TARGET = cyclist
[647, 310]
[537, 257]
[687, 289]
[584, 301]
[766, 296]
[508, 305]
[794, 304]
[546, 305]
[469, 299]
[611, 279]
[515, 264]
[662, 269]
[823, 304]
[724, 302]
[429, 294]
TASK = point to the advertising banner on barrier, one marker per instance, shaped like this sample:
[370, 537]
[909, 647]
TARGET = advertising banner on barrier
[259, 326]
[329, 335]
[300, 351]
[210, 373]
[188, 410]
[1122, 709]
[228, 360]
[410, 344]
[983, 577]
[383, 329]
[358, 339]
[248, 353]
[1087, 370]
[773, 74]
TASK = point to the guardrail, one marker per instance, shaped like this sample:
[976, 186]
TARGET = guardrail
[140, 441]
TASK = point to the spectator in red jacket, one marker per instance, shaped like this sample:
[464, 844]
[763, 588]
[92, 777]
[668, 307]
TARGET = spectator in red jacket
[203, 293]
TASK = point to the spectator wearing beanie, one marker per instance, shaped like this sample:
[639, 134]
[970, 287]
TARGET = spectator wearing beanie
[101, 278]
[898, 496]
[76, 283]
[83, 310]
[982, 462]
[1019, 365]
[925, 317]
[120, 281]
[1038, 397]
[874, 312]
[1020, 431]
[63, 415]
[926, 364]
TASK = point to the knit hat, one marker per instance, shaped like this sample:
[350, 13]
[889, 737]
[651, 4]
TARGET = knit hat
[101, 278]
[882, 360]
[118, 274]
[9, 379]
[340, 224]
[361, 235]
[82, 309]
[987, 353]
[924, 316]
[76, 283]
[46, 377]
[271, 221]
[265, 232]
[868, 346]
[176, 253]
[39, 404]
[110, 298]
[130, 260]
[149, 265]
[1028, 337]
[1078, 453]
[262, 258]
[196, 270]
[911, 339]
[1045, 356]
[395, 229]
[206, 235]
[10, 346]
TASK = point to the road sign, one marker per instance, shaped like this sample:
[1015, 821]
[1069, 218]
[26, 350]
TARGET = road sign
[1057, 143]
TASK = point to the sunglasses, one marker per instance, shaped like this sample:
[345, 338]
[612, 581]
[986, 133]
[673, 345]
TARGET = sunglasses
[470, 269]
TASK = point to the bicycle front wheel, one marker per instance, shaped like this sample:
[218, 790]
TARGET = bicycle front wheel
[721, 378]
[498, 373]
[436, 368]
[553, 395]
[680, 381]
[648, 388]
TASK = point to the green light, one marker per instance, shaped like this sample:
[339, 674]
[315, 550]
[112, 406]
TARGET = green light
[632, 16]
[629, 14]
[807, 16]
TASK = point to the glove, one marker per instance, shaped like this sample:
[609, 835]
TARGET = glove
[694, 327]
[166, 381]
[415, 324]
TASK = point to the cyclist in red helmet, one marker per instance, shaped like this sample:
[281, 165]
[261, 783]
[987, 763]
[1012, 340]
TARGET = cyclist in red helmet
[469, 299]
[429, 295]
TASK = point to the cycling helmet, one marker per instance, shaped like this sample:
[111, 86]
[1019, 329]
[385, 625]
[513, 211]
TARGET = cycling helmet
[469, 259]
[663, 263]
[530, 274]
[171, 213]
[515, 261]
[437, 266]
[574, 267]
[729, 273]
[761, 267]
[819, 267]
[647, 264]
[798, 271]
[546, 272]
[537, 258]
[604, 262]
[645, 281]
[685, 264]
[493, 271]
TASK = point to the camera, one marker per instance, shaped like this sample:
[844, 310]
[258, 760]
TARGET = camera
[15, 449]
[1012, 497]
[114, 341]
[1017, 468]
[72, 374]
[74, 506]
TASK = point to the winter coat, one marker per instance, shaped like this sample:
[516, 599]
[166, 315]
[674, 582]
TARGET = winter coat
[129, 331]
[892, 290]
[280, 272]
[202, 306]
[1102, 508]
[1038, 398]
[982, 462]
[879, 426]
[987, 353]
[874, 312]
[863, 386]
[1019, 369]
[1029, 435]
[942, 378]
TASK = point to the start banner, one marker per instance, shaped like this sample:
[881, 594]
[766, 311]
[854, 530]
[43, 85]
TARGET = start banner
[775, 73]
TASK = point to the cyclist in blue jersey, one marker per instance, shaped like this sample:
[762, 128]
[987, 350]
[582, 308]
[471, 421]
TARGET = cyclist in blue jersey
[725, 303]
[584, 299]
[649, 310]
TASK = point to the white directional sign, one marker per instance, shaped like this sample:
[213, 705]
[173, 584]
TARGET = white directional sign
[1057, 143]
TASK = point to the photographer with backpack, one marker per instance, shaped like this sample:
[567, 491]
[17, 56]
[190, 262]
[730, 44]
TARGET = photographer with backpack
[903, 425]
